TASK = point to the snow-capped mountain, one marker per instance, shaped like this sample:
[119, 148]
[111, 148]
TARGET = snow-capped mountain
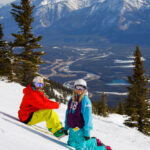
[50, 11]
[114, 20]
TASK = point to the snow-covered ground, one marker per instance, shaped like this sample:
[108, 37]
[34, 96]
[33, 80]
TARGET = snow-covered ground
[15, 135]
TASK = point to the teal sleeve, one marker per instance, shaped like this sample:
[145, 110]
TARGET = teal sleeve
[86, 110]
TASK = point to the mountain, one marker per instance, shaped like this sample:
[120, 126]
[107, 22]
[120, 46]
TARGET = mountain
[15, 135]
[95, 21]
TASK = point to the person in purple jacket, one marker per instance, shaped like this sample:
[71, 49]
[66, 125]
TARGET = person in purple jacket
[78, 119]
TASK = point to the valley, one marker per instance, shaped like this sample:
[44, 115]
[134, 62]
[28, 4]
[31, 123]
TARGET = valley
[105, 68]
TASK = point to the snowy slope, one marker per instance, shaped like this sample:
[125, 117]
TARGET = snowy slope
[15, 135]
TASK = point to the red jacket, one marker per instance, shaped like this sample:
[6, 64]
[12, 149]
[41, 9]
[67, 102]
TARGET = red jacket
[32, 101]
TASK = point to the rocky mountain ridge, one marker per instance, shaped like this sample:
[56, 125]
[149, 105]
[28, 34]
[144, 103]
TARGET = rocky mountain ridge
[118, 21]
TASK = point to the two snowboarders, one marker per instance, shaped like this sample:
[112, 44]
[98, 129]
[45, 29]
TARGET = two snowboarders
[36, 108]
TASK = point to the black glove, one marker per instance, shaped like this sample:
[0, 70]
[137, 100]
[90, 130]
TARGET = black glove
[86, 138]
[66, 132]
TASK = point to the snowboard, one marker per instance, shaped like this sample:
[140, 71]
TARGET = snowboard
[45, 131]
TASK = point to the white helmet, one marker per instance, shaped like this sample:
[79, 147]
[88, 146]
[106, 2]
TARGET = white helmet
[80, 82]
[38, 79]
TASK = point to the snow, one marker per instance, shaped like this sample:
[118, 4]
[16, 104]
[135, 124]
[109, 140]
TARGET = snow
[125, 66]
[113, 93]
[15, 135]
[123, 61]
[50, 11]
[45, 2]
[57, 93]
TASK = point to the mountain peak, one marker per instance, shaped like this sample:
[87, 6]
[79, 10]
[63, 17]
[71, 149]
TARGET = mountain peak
[86, 17]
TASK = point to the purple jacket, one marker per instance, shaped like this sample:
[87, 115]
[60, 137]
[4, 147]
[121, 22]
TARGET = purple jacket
[74, 116]
[79, 115]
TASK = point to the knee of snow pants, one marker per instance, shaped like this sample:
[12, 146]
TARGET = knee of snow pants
[91, 144]
[76, 140]
[48, 115]
[101, 148]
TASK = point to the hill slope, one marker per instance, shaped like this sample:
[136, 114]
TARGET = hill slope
[15, 135]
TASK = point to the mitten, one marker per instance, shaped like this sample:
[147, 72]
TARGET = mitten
[66, 132]
[86, 138]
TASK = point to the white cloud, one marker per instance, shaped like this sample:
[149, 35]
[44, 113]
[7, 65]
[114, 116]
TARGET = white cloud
[4, 2]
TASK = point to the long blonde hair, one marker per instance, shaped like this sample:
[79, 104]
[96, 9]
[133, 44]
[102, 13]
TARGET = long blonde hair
[75, 96]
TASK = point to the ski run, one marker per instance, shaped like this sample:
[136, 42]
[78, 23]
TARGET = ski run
[15, 135]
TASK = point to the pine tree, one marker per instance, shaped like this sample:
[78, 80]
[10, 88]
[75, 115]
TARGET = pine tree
[28, 58]
[6, 58]
[137, 105]
[1, 32]
[102, 106]
[121, 107]
[95, 107]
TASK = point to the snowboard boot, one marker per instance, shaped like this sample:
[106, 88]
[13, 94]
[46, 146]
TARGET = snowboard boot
[59, 133]
[50, 129]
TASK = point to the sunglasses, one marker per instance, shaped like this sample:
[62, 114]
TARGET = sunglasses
[39, 85]
[80, 87]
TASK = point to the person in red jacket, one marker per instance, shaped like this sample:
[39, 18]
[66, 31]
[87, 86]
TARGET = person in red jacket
[36, 108]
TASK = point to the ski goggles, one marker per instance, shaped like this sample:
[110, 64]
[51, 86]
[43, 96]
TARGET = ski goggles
[80, 87]
[39, 85]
